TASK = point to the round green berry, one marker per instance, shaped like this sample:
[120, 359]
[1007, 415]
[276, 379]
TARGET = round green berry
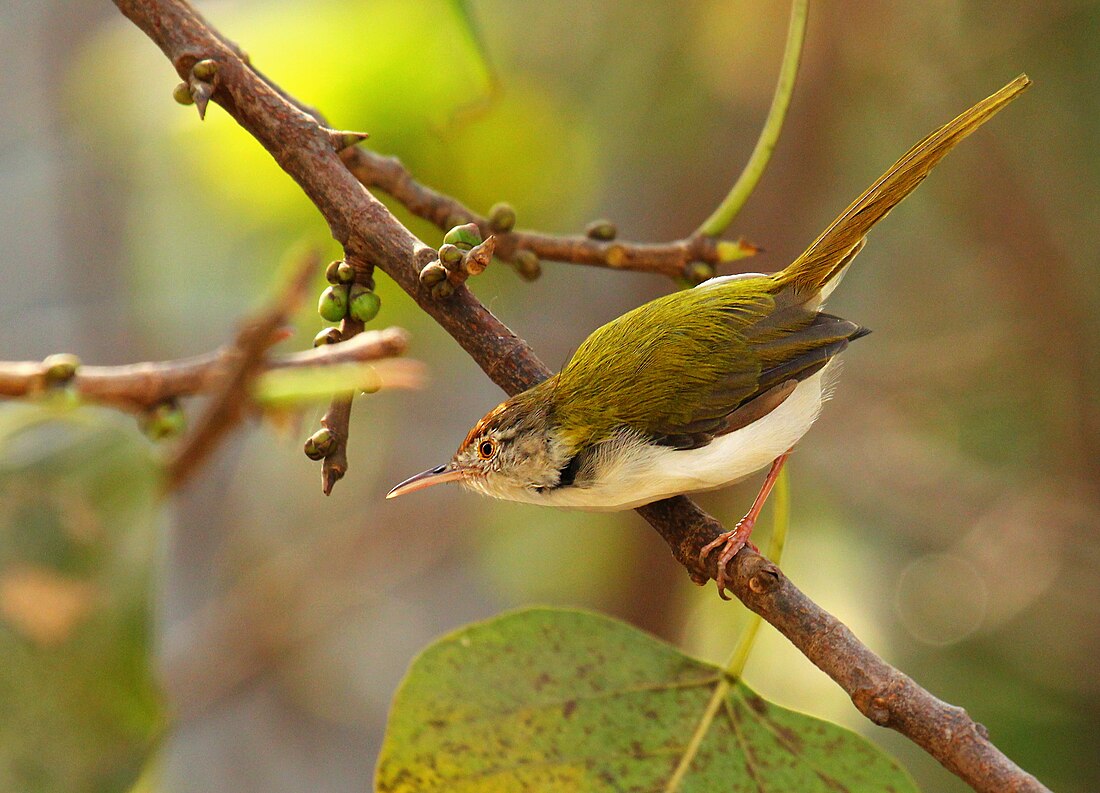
[364, 304]
[333, 304]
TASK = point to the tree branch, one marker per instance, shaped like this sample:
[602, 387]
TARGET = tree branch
[244, 360]
[670, 259]
[140, 386]
[371, 235]
[337, 419]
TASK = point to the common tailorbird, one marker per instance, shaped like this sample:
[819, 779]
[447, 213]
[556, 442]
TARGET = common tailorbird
[696, 389]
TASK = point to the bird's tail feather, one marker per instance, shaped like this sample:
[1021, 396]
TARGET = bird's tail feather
[830, 253]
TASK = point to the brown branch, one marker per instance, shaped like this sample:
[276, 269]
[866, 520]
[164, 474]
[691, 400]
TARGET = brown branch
[371, 235]
[338, 420]
[244, 360]
[671, 258]
[140, 386]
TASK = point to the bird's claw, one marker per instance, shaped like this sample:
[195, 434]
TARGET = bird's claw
[732, 541]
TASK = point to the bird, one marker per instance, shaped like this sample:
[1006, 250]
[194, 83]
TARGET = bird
[697, 389]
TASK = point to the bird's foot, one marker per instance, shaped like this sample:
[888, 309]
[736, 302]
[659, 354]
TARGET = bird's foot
[731, 541]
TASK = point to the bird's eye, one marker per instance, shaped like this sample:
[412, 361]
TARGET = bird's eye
[486, 449]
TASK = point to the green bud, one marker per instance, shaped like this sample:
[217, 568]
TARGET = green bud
[502, 217]
[432, 274]
[339, 272]
[731, 251]
[333, 304]
[601, 230]
[527, 265]
[205, 70]
[60, 368]
[464, 236]
[450, 256]
[364, 304]
[697, 272]
[327, 336]
[320, 444]
[182, 94]
[162, 421]
[443, 290]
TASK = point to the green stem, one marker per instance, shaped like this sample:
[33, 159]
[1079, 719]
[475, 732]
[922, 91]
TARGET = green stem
[781, 513]
[724, 215]
[721, 688]
[781, 521]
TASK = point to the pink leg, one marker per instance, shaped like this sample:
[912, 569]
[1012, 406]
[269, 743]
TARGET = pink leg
[734, 540]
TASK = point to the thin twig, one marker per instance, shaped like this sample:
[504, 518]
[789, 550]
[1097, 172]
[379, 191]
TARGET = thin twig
[731, 205]
[669, 258]
[137, 387]
[230, 397]
[369, 232]
[337, 419]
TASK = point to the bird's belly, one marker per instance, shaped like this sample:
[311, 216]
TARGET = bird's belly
[659, 472]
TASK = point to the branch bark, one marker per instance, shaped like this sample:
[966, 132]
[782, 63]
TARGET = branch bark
[244, 360]
[372, 236]
[140, 386]
[668, 258]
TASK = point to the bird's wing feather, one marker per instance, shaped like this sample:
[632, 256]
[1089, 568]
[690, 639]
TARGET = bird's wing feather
[679, 383]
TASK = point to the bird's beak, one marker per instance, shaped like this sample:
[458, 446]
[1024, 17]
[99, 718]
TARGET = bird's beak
[434, 476]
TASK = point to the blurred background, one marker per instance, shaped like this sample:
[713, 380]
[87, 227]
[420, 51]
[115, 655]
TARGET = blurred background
[946, 505]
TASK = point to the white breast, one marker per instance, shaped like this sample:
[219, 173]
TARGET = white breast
[650, 473]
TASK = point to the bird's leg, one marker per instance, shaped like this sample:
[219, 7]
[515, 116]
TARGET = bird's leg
[735, 539]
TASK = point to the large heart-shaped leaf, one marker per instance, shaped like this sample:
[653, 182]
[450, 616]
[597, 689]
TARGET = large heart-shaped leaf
[555, 700]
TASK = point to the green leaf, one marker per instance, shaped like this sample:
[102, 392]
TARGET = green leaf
[79, 521]
[555, 700]
[287, 386]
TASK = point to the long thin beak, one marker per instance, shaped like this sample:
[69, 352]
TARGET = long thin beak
[433, 476]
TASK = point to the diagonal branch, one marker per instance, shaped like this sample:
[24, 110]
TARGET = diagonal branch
[230, 397]
[372, 236]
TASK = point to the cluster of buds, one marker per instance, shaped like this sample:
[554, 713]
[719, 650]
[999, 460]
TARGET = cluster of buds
[344, 298]
[462, 254]
[200, 87]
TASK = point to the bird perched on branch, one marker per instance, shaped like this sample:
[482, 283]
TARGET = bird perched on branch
[694, 390]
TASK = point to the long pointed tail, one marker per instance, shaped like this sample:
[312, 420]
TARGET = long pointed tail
[833, 250]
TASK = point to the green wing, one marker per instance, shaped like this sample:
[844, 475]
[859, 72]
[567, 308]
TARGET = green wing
[686, 367]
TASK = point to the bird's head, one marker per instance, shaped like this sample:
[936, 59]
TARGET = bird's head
[512, 450]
